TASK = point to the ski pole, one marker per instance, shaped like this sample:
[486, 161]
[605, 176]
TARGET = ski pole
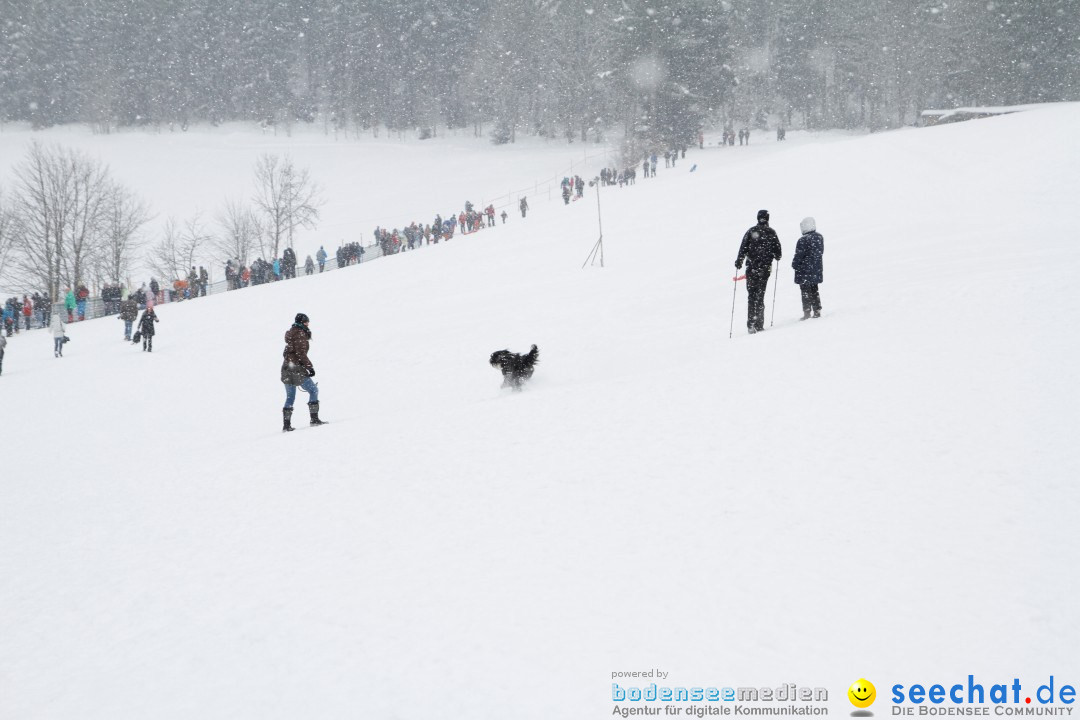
[734, 291]
[776, 283]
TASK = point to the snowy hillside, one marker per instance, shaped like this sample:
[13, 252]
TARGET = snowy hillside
[887, 492]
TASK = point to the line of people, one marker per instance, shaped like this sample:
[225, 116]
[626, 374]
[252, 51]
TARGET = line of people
[729, 136]
[260, 271]
[53, 320]
[416, 235]
[128, 309]
[21, 314]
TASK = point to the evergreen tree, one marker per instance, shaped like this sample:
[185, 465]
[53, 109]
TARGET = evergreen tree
[553, 67]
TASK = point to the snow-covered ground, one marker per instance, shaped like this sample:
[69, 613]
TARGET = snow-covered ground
[388, 181]
[888, 492]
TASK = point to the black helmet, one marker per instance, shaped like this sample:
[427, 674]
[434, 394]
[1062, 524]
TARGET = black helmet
[763, 215]
[301, 318]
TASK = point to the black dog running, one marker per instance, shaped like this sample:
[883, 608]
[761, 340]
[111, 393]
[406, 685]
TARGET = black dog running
[515, 368]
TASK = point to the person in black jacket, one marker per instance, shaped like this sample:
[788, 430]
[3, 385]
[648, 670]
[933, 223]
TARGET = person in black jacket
[129, 311]
[808, 267]
[760, 246]
[288, 263]
[146, 329]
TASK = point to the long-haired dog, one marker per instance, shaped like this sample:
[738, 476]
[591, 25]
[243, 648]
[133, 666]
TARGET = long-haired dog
[515, 368]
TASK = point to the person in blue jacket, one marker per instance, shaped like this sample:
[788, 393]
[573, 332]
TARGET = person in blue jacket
[320, 257]
[808, 267]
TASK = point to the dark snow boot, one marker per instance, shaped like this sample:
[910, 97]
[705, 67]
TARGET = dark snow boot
[313, 408]
[805, 315]
[817, 313]
[286, 413]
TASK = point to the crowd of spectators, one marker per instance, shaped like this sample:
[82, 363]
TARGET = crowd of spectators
[118, 300]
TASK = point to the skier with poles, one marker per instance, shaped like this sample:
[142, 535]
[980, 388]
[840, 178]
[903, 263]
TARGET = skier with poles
[760, 246]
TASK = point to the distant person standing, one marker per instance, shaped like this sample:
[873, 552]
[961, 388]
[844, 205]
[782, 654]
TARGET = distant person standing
[309, 266]
[69, 305]
[147, 330]
[524, 206]
[230, 275]
[297, 370]
[3, 344]
[81, 296]
[760, 246]
[129, 311]
[288, 264]
[12, 308]
[42, 307]
[808, 267]
[321, 258]
[56, 326]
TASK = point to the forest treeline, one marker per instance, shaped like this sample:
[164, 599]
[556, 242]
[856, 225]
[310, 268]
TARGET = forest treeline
[561, 68]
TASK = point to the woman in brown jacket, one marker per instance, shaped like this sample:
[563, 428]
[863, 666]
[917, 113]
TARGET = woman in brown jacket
[296, 369]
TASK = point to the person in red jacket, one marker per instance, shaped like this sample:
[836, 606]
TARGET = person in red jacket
[27, 310]
[81, 297]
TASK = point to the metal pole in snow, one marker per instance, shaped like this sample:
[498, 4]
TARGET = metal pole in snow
[734, 291]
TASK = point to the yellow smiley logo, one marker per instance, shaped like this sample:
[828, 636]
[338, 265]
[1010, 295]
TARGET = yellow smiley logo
[862, 693]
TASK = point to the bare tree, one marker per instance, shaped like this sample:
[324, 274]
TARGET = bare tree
[35, 264]
[57, 212]
[175, 253]
[242, 232]
[195, 236]
[5, 234]
[288, 199]
[165, 258]
[124, 215]
[85, 183]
